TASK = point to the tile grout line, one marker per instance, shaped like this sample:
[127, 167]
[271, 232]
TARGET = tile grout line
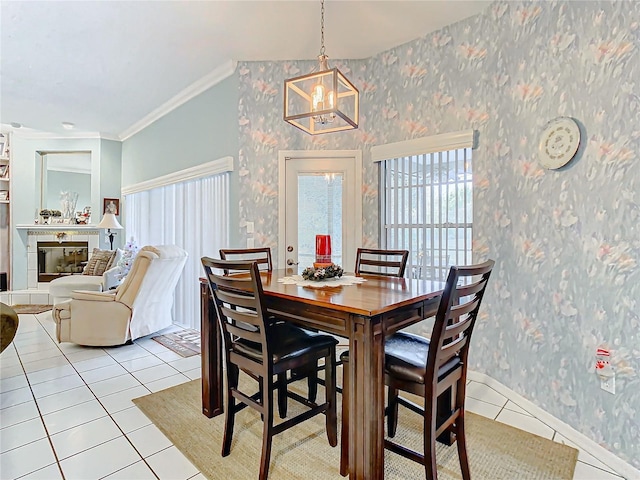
[107, 412]
[44, 425]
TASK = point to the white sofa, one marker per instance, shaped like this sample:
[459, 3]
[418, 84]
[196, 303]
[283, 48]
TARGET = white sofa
[139, 306]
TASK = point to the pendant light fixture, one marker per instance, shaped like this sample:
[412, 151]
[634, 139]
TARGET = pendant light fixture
[323, 101]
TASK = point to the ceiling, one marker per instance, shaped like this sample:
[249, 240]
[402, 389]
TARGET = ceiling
[106, 65]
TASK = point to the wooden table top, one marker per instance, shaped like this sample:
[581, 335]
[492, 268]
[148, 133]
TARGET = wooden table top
[375, 296]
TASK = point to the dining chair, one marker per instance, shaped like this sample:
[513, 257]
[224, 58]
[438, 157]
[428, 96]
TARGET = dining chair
[268, 348]
[262, 256]
[390, 263]
[428, 368]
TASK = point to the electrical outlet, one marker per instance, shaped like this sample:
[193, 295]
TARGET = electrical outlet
[250, 243]
[609, 385]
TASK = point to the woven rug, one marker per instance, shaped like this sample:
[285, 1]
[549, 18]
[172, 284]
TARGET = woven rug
[33, 309]
[496, 451]
[185, 343]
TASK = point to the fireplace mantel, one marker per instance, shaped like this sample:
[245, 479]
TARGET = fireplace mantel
[57, 227]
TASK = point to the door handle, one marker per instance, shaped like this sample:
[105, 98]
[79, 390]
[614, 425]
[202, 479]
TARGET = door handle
[291, 262]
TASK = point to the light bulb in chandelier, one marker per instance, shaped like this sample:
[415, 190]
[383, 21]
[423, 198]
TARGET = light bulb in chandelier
[322, 100]
[318, 98]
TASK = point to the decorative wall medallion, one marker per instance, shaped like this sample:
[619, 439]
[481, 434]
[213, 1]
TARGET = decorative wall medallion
[559, 142]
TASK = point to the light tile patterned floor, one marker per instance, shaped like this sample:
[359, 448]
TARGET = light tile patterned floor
[66, 410]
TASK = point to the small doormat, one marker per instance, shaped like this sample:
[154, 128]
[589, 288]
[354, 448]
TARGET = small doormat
[26, 308]
[185, 343]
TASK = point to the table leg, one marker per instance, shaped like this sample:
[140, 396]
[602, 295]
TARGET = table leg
[366, 400]
[211, 352]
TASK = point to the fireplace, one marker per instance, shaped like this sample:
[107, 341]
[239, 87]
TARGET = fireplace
[57, 259]
[62, 236]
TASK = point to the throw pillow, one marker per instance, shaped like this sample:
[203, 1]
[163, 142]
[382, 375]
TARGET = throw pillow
[115, 259]
[98, 262]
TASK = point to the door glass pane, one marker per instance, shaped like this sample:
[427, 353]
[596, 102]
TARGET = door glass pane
[319, 213]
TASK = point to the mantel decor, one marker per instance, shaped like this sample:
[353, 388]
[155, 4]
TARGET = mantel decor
[323, 101]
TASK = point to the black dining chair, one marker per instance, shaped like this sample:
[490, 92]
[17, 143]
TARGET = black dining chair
[429, 368]
[262, 256]
[257, 343]
[389, 263]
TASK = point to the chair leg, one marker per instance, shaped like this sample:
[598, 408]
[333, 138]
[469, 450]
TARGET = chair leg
[461, 441]
[392, 410]
[282, 394]
[330, 392]
[344, 435]
[312, 383]
[267, 429]
[430, 466]
[232, 379]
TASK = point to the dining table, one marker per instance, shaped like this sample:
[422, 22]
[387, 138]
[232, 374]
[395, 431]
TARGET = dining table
[365, 313]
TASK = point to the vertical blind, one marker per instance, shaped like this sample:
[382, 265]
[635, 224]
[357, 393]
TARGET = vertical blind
[192, 215]
[427, 209]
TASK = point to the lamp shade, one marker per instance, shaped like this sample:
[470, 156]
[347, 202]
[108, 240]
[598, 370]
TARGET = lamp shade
[110, 221]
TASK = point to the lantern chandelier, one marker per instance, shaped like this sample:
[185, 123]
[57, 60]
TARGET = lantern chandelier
[323, 101]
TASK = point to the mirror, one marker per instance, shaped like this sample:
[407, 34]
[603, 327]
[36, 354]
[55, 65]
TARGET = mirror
[65, 173]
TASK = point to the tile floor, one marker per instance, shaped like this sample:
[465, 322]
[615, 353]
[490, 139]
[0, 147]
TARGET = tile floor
[66, 410]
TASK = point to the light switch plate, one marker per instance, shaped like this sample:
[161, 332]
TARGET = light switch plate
[250, 227]
[609, 385]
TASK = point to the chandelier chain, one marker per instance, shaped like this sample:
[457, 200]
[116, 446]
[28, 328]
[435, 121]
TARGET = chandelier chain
[322, 27]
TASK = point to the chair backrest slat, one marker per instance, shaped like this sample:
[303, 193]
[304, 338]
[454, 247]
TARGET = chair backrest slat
[470, 289]
[450, 350]
[262, 256]
[389, 263]
[457, 315]
[457, 328]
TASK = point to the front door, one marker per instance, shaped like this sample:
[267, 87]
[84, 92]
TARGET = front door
[320, 195]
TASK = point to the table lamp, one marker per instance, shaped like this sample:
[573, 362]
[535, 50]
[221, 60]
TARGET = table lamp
[109, 221]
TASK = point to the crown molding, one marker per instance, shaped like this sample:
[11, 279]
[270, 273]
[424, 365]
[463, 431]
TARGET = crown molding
[181, 98]
[221, 165]
[35, 135]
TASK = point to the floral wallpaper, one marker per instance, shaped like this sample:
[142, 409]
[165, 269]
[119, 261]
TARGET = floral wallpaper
[566, 242]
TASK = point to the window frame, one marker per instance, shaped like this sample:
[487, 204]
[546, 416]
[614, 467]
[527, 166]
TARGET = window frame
[435, 146]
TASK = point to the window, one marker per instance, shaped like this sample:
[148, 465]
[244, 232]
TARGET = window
[427, 202]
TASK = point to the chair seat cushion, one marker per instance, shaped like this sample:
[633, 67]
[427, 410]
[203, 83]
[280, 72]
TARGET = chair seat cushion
[287, 342]
[405, 357]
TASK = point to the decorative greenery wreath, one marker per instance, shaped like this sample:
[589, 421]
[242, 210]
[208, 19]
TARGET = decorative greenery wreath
[317, 274]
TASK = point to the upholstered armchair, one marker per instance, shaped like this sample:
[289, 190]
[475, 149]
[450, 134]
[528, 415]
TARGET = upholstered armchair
[139, 306]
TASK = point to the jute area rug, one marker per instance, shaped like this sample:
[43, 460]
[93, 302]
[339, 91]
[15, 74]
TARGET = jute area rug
[33, 309]
[185, 343]
[496, 451]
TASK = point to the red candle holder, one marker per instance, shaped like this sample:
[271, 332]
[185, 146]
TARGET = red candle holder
[323, 251]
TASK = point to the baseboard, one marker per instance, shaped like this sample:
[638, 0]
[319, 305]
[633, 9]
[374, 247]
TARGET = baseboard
[605, 456]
